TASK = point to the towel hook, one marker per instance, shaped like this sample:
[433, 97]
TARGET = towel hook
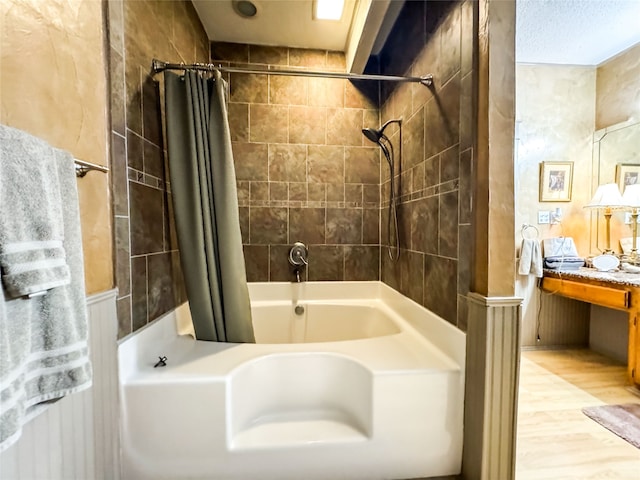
[523, 232]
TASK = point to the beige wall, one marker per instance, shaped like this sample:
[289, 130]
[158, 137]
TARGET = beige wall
[555, 110]
[559, 107]
[53, 85]
[618, 88]
[493, 203]
[617, 101]
[555, 122]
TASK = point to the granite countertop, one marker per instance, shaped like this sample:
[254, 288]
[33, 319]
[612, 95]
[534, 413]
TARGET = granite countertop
[614, 276]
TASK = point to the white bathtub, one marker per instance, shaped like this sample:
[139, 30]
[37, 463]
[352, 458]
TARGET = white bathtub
[364, 384]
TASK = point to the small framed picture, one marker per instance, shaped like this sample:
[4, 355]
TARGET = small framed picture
[627, 174]
[556, 180]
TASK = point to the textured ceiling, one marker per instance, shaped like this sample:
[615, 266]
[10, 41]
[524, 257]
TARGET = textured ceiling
[575, 32]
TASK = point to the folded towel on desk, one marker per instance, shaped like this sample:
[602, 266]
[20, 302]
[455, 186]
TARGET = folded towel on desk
[559, 246]
[562, 262]
[530, 258]
[32, 256]
[43, 340]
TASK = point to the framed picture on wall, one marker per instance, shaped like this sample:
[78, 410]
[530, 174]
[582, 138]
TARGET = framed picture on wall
[627, 174]
[556, 180]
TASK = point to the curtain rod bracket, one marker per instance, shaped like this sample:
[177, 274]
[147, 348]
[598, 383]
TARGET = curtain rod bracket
[157, 66]
[427, 80]
[82, 168]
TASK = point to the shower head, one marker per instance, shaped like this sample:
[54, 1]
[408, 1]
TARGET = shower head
[372, 134]
[375, 135]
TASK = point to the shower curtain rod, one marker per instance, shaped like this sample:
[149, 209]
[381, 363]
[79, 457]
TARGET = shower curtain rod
[158, 66]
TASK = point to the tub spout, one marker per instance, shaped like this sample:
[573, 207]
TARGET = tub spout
[297, 272]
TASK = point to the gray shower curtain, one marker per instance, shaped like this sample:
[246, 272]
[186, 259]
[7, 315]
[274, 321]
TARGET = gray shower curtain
[203, 186]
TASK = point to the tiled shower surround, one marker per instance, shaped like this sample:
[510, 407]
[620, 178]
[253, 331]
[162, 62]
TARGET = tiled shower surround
[435, 176]
[306, 173]
[147, 264]
[304, 170]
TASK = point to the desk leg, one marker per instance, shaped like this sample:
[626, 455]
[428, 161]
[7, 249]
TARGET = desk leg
[633, 363]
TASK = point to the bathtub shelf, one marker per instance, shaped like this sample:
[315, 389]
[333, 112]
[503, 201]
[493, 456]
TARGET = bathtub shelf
[296, 433]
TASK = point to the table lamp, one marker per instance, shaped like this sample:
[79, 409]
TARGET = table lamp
[631, 199]
[607, 198]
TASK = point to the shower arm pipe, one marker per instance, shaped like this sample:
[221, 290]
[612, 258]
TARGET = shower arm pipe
[386, 124]
[158, 66]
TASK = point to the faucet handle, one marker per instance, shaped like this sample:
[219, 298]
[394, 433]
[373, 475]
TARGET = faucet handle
[298, 255]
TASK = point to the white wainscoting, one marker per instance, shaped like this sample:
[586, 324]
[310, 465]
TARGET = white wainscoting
[77, 437]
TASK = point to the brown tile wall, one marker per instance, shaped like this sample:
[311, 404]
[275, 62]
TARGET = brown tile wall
[147, 265]
[304, 170]
[434, 178]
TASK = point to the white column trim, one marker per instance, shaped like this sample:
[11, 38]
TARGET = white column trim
[493, 360]
[495, 301]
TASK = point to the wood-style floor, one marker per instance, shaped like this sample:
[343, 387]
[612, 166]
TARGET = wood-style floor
[555, 439]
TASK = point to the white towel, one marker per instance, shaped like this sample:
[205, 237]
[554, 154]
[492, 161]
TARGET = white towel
[32, 256]
[536, 259]
[560, 246]
[525, 256]
[43, 340]
[530, 258]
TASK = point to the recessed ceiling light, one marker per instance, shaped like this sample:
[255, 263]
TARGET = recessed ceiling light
[329, 9]
[244, 8]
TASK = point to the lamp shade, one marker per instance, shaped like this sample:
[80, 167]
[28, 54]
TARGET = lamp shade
[631, 196]
[607, 196]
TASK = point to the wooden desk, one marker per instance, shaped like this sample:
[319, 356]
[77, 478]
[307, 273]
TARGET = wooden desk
[614, 290]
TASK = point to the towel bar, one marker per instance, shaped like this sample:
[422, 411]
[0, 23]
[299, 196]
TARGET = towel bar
[82, 168]
[525, 228]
